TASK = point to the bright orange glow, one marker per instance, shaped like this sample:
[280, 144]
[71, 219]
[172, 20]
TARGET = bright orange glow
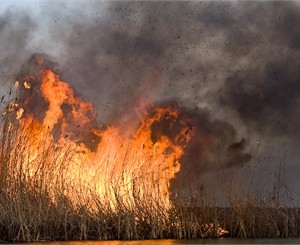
[106, 162]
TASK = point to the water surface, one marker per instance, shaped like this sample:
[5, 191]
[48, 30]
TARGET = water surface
[174, 242]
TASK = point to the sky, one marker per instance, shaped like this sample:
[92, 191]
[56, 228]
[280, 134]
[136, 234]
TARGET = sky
[232, 66]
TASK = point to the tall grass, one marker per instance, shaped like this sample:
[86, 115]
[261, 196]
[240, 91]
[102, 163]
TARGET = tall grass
[39, 202]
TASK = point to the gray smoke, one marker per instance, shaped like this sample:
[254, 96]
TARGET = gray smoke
[233, 67]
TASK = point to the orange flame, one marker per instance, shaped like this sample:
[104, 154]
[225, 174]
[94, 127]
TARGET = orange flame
[131, 166]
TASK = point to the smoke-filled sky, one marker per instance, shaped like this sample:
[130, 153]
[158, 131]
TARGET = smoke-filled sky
[233, 67]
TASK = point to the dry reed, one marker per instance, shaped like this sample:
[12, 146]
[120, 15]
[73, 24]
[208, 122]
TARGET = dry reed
[38, 203]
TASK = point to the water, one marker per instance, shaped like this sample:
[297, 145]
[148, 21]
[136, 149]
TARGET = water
[173, 242]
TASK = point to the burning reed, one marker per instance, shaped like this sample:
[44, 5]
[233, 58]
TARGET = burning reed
[64, 178]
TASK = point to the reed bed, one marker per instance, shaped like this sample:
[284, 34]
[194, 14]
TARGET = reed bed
[38, 202]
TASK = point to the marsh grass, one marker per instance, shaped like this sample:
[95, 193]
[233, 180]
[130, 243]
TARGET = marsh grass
[38, 202]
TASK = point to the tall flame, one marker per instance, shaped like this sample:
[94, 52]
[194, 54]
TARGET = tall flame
[107, 162]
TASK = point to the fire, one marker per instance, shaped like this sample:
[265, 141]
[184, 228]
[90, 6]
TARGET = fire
[105, 162]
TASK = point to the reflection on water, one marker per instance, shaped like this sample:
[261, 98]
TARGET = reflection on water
[181, 242]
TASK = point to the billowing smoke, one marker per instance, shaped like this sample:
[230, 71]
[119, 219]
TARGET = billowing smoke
[231, 67]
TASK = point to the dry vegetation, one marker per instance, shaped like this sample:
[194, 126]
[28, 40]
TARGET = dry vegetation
[38, 203]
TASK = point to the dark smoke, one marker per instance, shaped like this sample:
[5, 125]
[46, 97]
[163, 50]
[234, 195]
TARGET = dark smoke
[232, 67]
[267, 98]
[15, 30]
[214, 145]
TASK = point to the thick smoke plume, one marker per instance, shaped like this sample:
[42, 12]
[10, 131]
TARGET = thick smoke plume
[232, 68]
